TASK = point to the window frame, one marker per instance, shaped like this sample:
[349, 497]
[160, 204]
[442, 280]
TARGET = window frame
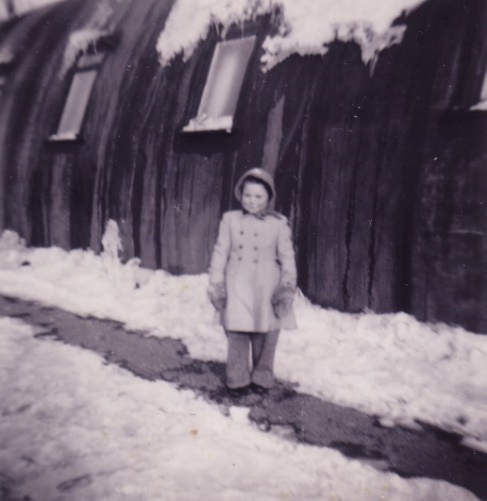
[88, 61]
[481, 104]
[202, 123]
[7, 62]
[81, 69]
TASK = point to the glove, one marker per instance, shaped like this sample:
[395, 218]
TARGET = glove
[282, 300]
[218, 296]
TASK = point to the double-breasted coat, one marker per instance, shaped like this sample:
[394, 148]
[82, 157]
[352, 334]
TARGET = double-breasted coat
[253, 255]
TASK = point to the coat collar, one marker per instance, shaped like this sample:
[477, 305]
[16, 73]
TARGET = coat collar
[262, 214]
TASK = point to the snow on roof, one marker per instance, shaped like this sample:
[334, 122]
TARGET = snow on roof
[95, 28]
[304, 26]
[24, 6]
[79, 42]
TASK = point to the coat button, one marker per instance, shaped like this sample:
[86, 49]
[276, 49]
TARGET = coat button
[240, 259]
[240, 246]
[241, 232]
[256, 260]
[256, 234]
[255, 247]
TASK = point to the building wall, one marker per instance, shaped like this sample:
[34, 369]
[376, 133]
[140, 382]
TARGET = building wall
[380, 179]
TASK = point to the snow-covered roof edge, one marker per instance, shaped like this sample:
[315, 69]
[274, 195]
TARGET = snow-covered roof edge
[95, 29]
[21, 7]
[304, 27]
[79, 42]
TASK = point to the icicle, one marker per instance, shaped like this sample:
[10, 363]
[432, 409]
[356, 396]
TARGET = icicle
[300, 30]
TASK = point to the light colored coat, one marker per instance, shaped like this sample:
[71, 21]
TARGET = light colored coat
[252, 257]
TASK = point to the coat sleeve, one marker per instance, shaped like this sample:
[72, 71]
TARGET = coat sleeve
[285, 254]
[221, 252]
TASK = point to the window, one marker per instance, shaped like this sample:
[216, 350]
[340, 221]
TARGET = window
[7, 60]
[222, 89]
[483, 93]
[482, 104]
[3, 80]
[69, 128]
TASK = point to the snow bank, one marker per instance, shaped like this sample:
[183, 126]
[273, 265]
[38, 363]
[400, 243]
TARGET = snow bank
[391, 366]
[302, 27]
[24, 6]
[74, 429]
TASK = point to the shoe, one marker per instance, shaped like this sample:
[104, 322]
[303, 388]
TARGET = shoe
[238, 392]
[263, 378]
[259, 390]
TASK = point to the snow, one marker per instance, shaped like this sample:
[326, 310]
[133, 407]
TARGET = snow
[24, 6]
[391, 366]
[79, 42]
[6, 56]
[300, 30]
[482, 105]
[206, 123]
[76, 429]
[475, 444]
[95, 28]
[64, 136]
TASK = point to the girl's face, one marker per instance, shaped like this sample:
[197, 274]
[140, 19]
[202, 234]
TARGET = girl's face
[254, 197]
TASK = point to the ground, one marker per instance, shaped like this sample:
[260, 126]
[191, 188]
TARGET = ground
[112, 387]
[285, 411]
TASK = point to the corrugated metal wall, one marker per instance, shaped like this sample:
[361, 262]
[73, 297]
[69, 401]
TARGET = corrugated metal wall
[374, 182]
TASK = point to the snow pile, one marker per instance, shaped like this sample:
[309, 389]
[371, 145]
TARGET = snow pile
[24, 6]
[302, 28]
[392, 366]
[95, 28]
[79, 42]
[12, 247]
[74, 429]
[6, 56]
[82, 282]
[481, 106]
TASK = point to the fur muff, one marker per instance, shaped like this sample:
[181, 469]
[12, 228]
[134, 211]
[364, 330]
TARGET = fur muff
[218, 296]
[282, 301]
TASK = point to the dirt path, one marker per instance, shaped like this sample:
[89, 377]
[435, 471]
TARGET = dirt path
[431, 453]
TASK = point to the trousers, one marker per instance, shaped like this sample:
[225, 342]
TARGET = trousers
[238, 371]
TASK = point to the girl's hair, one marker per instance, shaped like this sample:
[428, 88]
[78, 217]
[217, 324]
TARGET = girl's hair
[256, 180]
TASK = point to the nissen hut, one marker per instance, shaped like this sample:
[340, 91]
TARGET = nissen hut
[370, 114]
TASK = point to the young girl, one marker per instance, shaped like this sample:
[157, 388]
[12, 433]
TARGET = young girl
[252, 281]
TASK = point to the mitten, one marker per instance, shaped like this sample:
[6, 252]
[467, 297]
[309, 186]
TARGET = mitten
[218, 296]
[282, 300]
